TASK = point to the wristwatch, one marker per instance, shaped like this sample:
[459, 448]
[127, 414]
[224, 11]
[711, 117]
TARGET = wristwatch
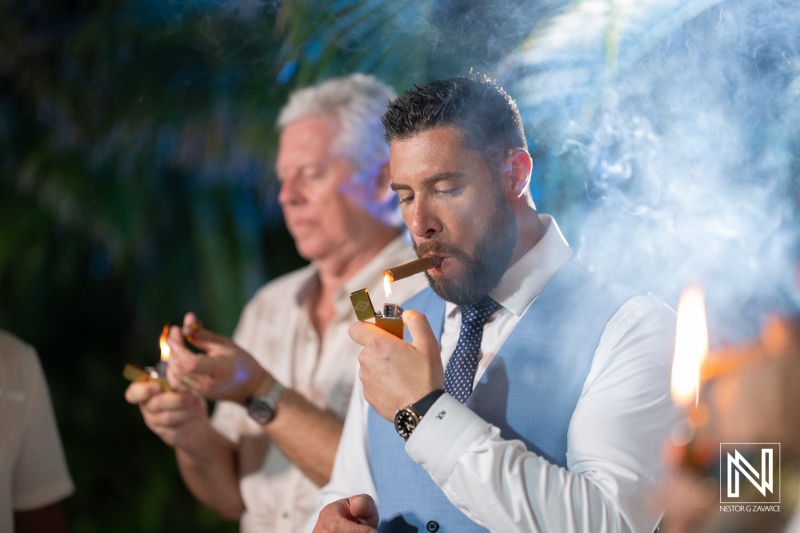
[262, 408]
[406, 420]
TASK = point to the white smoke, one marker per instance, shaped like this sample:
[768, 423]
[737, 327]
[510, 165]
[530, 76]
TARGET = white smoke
[678, 123]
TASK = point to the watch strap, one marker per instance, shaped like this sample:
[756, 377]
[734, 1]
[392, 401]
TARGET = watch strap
[421, 406]
[262, 408]
[406, 420]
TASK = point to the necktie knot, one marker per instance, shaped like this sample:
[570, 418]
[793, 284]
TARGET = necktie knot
[477, 313]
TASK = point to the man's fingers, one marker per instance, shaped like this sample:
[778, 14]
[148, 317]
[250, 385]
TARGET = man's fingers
[183, 361]
[141, 391]
[364, 332]
[205, 340]
[362, 507]
[171, 401]
[169, 418]
[191, 324]
[421, 333]
[338, 517]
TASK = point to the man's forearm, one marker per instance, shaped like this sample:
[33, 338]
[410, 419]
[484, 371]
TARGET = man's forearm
[209, 469]
[504, 487]
[50, 518]
[307, 435]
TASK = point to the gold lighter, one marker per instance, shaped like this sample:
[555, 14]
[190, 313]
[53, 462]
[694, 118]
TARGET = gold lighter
[133, 372]
[158, 372]
[391, 320]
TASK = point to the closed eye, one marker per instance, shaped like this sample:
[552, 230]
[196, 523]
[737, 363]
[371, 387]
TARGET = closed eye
[449, 192]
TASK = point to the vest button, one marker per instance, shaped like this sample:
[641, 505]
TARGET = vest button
[432, 526]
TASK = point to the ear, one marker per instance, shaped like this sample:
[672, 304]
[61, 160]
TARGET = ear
[383, 182]
[516, 173]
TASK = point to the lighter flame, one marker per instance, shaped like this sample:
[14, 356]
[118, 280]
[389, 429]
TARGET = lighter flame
[163, 343]
[691, 346]
[387, 285]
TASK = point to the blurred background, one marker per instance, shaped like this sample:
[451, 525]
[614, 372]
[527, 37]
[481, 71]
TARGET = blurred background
[137, 145]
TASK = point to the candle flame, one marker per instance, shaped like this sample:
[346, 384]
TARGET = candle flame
[691, 346]
[163, 343]
[387, 285]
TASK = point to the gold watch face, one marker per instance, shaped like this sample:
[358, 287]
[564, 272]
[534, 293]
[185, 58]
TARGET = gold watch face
[405, 421]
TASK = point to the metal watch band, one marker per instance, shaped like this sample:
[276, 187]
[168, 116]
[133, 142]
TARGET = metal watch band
[262, 408]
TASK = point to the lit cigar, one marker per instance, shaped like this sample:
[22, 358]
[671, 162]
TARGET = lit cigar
[414, 267]
[192, 328]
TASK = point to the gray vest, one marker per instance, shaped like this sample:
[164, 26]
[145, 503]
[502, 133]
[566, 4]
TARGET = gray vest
[529, 391]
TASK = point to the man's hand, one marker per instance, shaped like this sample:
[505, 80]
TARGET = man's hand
[393, 372]
[356, 514]
[225, 372]
[173, 416]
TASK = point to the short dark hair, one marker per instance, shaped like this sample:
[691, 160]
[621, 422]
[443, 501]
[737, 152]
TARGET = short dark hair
[478, 107]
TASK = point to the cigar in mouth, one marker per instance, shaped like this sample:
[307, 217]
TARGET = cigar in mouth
[414, 267]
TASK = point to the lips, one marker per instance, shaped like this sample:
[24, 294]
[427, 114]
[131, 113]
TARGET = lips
[300, 224]
[443, 264]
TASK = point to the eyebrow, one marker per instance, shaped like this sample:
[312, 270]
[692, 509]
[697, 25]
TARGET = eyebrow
[428, 181]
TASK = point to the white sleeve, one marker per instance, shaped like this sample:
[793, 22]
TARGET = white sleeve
[615, 440]
[40, 473]
[351, 473]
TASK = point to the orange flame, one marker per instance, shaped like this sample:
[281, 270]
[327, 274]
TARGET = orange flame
[691, 346]
[162, 342]
[387, 285]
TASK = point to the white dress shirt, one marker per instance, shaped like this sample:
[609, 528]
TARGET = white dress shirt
[615, 437]
[276, 329]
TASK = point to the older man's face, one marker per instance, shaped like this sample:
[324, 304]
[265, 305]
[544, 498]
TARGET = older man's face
[321, 202]
[455, 208]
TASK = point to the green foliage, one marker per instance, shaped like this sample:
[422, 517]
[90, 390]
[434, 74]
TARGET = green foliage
[136, 153]
[134, 166]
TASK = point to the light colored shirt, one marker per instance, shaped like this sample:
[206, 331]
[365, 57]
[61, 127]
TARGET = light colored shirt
[276, 328]
[616, 433]
[33, 472]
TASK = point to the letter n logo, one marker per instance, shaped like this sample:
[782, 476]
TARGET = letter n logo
[748, 472]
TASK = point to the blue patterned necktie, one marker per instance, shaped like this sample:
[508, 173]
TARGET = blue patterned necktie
[460, 372]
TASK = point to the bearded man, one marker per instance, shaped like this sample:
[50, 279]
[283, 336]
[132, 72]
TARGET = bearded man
[532, 395]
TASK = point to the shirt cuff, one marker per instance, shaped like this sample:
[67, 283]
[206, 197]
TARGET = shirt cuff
[443, 435]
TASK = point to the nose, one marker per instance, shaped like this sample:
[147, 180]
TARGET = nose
[289, 193]
[423, 223]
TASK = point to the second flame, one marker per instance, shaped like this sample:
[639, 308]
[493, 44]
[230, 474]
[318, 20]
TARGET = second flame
[691, 346]
[162, 342]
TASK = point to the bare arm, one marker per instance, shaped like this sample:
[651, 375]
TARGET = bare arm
[306, 434]
[206, 459]
[50, 518]
[210, 472]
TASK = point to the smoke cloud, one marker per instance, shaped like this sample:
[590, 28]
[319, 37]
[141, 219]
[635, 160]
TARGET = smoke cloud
[678, 123]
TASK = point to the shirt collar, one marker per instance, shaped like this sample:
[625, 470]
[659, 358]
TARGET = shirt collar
[526, 278]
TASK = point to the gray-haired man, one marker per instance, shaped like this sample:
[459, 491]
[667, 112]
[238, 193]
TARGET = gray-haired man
[263, 454]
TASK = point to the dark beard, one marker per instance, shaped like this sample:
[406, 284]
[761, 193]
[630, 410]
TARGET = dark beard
[483, 272]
